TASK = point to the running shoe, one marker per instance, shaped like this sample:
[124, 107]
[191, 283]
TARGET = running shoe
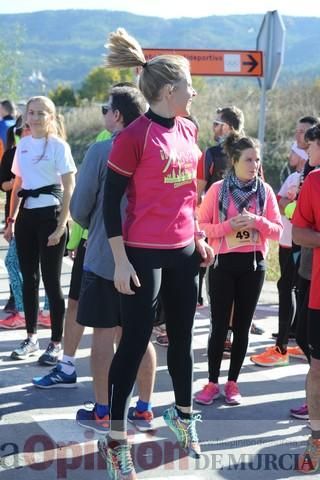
[254, 330]
[44, 320]
[26, 349]
[12, 322]
[88, 418]
[143, 421]
[296, 352]
[301, 412]
[51, 355]
[118, 460]
[231, 393]
[185, 430]
[271, 357]
[208, 394]
[56, 379]
[309, 461]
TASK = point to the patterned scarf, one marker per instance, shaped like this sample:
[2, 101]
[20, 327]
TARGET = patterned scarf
[241, 193]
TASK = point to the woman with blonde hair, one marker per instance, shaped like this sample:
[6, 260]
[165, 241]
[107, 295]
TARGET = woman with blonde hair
[44, 180]
[155, 161]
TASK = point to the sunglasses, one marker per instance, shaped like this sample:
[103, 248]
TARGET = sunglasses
[105, 109]
[216, 123]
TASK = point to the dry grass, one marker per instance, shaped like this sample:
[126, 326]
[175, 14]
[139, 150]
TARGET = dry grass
[273, 272]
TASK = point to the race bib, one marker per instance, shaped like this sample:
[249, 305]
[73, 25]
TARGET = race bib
[243, 237]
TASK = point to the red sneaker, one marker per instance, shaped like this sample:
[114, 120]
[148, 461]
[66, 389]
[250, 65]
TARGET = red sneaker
[44, 320]
[12, 322]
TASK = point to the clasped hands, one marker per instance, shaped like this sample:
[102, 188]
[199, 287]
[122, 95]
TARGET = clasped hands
[243, 221]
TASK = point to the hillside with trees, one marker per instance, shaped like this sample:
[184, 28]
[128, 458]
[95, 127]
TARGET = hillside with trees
[60, 53]
[54, 47]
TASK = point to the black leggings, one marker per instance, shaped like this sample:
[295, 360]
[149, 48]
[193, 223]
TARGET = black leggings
[232, 281]
[177, 273]
[33, 226]
[287, 295]
[302, 315]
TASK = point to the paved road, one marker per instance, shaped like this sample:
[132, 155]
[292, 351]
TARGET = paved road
[39, 438]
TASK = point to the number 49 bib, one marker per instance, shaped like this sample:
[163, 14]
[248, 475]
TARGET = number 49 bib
[243, 237]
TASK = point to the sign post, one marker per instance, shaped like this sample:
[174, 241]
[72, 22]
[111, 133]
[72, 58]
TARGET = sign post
[244, 63]
[271, 40]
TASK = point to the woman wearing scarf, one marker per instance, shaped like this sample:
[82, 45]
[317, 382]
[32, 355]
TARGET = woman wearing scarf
[238, 214]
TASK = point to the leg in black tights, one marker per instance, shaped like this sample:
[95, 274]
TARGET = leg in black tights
[179, 296]
[33, 227]
[302, 317]
[234, 280]
[247, 292]
[287, 295]
[222, 288]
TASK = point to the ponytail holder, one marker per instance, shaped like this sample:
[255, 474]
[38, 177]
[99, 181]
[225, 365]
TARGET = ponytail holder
[145, 64]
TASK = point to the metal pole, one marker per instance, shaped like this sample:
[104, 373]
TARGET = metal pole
[262, 117]
[263, 96]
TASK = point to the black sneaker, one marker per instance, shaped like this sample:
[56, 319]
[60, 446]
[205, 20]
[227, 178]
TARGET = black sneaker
[254, 330]
[51, 355]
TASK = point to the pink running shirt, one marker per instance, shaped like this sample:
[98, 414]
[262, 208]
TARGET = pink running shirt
[162, 165]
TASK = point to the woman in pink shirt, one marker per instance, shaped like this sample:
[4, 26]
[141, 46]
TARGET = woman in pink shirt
[154, 161]
[238, 214]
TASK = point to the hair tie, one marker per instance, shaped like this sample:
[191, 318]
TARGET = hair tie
[145, 64]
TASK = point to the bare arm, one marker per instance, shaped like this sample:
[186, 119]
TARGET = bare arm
[14, 204]
[201, 185]
[7, 185]
[124, 271]
[283, 202]
[306, 237]
[68, 182]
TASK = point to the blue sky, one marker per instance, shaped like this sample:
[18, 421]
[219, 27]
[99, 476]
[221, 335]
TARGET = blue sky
[170, 8]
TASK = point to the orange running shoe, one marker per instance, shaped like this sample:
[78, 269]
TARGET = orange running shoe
[271, 357]
[296, 352]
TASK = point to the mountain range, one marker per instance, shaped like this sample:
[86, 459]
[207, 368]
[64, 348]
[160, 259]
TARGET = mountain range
[63, 46]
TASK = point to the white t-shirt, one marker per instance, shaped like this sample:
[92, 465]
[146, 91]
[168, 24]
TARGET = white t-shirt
[40, 164]
[291, 183]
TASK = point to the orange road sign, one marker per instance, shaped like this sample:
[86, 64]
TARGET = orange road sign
[242, 63]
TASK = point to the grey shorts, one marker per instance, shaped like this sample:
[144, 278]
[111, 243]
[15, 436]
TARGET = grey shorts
[99, 302]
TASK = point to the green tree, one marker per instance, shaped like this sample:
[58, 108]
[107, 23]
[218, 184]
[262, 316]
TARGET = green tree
[100, 79]
[64, 96]
[10, 60]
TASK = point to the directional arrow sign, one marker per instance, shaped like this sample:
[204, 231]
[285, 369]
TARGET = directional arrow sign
[242, 63]
[253, 63]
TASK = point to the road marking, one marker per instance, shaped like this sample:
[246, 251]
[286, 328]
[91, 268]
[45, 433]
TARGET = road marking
[2, 267]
